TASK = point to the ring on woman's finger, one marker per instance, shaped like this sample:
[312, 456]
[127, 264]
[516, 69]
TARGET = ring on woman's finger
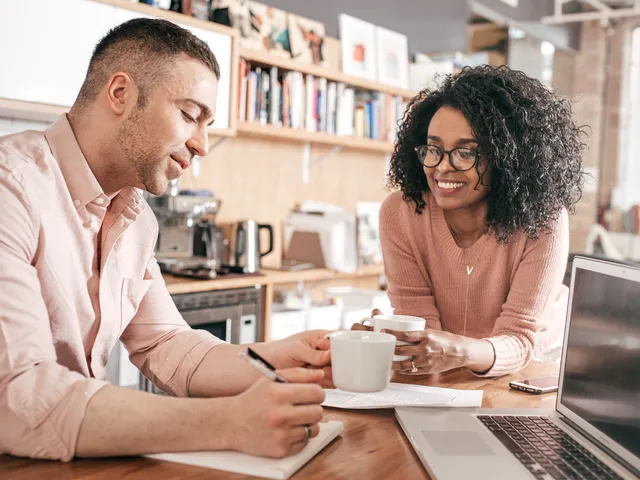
[307, 433]
[414, 369]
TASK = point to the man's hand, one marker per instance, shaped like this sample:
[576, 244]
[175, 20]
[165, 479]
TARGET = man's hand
[269, 418]
[307, 349]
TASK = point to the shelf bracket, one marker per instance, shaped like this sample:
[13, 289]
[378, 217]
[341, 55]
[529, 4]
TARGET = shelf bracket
[308, 162]
[387, 168]
[218, 143]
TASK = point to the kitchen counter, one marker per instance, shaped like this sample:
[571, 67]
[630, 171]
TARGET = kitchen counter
[177, 285]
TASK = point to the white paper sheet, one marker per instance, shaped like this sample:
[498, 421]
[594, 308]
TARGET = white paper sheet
[403, 395]
[276, 468]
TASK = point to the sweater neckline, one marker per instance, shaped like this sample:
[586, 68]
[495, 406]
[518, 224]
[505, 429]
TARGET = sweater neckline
[444, 235]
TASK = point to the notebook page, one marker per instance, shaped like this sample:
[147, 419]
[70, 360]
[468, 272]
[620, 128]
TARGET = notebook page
[243, 463]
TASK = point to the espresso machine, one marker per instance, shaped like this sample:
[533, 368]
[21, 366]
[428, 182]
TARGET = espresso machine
[189, 242]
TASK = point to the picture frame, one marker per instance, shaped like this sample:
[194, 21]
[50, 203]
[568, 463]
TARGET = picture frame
[307, 40]
[392, 57]
[269, 30]
[358, 43]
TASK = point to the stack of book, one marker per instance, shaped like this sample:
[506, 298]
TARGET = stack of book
[292, 99]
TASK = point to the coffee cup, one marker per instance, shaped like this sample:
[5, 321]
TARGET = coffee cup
[361, 360]
[402, 323]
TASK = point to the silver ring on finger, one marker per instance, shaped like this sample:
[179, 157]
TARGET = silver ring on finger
[307, 433]
[414, 369]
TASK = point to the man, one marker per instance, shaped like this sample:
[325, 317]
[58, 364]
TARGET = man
[77, 272]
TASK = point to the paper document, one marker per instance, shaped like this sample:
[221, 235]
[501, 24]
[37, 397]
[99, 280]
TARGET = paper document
[280, 468]
[404, 395]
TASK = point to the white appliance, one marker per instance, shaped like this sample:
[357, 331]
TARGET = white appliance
[594, 431]
[326, 239]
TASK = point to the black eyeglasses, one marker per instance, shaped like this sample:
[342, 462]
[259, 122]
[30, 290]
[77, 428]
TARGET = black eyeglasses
[461, 158]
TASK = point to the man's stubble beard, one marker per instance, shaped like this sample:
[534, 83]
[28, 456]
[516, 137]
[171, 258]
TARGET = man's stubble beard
[138, 159]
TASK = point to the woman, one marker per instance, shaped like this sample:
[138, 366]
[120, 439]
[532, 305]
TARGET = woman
[476, 240]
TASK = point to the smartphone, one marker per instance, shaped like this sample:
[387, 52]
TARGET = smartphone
[537, 385]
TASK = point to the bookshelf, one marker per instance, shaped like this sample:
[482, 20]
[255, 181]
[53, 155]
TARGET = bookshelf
[266, 59]
[286, 134]
[315, 105]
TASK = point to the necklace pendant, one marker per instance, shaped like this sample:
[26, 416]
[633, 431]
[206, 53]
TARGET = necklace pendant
[469, 270]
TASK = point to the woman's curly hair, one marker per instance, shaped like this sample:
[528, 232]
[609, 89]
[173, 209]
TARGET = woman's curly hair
[524, 130]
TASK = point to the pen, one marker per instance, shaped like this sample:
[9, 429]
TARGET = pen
[260, 364]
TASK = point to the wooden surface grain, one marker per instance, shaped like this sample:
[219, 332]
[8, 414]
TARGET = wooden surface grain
[372, 445]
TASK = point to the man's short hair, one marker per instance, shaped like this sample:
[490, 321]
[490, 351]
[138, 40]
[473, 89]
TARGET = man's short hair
[145, 49]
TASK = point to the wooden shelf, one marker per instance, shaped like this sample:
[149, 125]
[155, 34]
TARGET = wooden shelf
[265, 58]
[299, 135]
[171, 16]
[177, 285]
[48, 113]
[280, 277]
[30, 111]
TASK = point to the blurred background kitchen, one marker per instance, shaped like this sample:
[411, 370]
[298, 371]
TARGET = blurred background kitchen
[276, 230]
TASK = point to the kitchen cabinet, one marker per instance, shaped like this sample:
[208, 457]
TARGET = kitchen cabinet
[46, 48]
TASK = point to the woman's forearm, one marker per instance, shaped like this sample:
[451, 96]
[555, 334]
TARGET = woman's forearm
[480, 355]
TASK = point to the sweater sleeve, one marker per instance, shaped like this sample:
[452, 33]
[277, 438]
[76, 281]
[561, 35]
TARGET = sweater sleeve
[536, 304]
[409, 285]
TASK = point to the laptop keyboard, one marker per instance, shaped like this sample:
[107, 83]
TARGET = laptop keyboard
[545, 450]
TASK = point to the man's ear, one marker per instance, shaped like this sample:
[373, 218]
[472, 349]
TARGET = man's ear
[122, 93]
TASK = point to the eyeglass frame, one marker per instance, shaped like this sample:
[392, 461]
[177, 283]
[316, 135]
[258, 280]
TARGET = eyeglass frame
[449, 153]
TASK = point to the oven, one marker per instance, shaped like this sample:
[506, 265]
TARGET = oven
[232, 315]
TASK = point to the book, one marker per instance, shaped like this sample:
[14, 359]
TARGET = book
[237, 462]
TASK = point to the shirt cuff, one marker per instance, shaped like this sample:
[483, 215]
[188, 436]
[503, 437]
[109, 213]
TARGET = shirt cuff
[510, 356]
[68, 416]
[175, 364]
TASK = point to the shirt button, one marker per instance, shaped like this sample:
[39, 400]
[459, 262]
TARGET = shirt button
[99, 200]
[76, 203]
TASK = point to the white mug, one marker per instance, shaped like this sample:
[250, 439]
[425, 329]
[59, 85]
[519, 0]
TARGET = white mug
[402, 323]
[360, 360]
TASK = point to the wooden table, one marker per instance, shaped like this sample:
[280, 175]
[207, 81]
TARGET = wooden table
[372, 445]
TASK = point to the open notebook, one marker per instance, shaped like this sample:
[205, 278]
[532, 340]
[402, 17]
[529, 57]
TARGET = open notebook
[242, 463]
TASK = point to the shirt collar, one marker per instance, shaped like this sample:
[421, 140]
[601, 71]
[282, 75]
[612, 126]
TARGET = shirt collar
[81, 182]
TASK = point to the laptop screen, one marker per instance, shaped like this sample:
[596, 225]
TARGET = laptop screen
[601, 381]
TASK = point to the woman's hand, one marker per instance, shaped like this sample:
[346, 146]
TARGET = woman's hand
[360, 326]
[434, 351]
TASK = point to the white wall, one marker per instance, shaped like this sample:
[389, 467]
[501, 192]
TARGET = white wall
[627, 192]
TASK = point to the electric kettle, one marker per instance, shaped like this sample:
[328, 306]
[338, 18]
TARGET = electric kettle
[245, 251]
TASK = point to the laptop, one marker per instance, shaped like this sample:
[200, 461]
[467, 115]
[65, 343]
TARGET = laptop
[594, 431]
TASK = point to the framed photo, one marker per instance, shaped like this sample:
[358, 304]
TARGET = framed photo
[307, 40]
[268, 30]
[358, 43]
[233, 13]
[392, 56]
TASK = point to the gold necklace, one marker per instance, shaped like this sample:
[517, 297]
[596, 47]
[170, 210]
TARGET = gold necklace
[455, 239]
[469, 270]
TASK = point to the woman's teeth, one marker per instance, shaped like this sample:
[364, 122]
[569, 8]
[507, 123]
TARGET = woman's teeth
[449, 185]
